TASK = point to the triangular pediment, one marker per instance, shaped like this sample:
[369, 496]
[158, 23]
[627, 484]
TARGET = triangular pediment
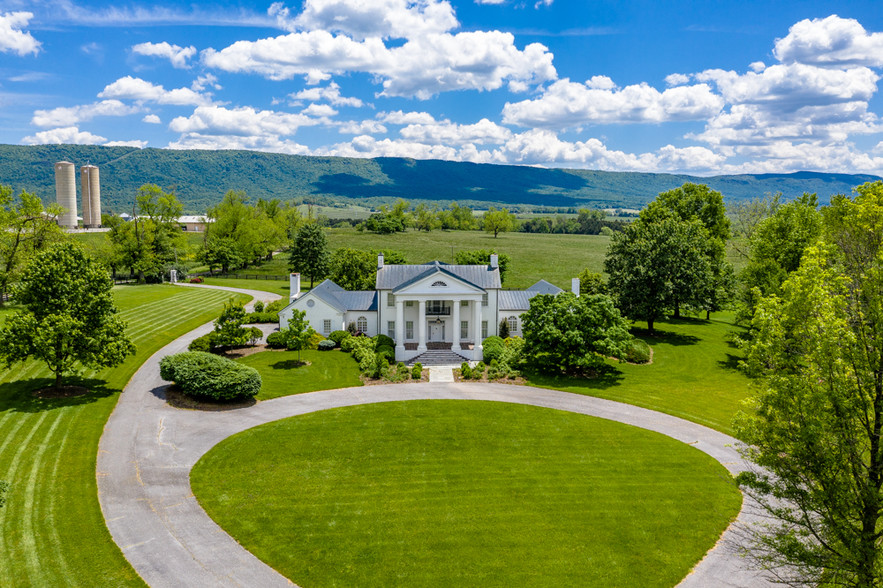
[437, 281]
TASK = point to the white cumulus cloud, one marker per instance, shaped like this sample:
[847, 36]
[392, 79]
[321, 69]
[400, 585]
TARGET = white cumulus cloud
[482, 132]
[241, 122]
[151, 119]
[131, 88]
[63, 135]
[12, 38]
[571, 104]
[178, 56]
[133, 143]
[329, 93]
[831, 41]
[69, 116]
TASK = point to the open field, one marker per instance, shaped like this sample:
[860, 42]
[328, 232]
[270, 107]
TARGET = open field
[466, 493]
[52, 532]
[281, 374]
[694, 374]
[280, 287]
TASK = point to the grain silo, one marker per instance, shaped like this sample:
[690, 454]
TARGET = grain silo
[66, 193]
[91, 190]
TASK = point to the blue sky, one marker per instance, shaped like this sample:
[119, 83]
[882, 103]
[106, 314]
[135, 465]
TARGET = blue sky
[696, 87]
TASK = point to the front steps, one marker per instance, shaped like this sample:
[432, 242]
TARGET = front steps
[438, 357]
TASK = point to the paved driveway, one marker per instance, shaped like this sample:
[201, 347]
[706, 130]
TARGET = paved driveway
[148, 448]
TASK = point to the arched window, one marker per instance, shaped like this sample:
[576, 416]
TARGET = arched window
[439, 283]
[362, 324]
[513, 324]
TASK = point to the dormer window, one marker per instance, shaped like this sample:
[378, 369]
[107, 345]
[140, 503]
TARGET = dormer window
[439, 284]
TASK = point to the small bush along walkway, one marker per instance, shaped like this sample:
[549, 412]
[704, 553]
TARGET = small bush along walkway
[466, 493]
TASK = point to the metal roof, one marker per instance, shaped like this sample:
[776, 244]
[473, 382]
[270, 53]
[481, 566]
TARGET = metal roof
[344, 300]
[392, 277]
[520, 299]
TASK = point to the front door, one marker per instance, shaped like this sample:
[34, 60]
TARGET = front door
[436, 332]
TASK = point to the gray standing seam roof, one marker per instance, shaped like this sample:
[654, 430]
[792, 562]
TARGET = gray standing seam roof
[520, 299]
[391, 277]
[344, 300]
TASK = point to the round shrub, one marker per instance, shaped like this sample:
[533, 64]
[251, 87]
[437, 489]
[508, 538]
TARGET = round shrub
[638, 352]
[203, 375]
[493, 348]
[276, 305]
[204, 343]
[465, 371]
[339, 336]
[383, 340]
[417, 371]
[327, 345]
[315, 339]
[387, 351]
[259, 306]
[276, 340]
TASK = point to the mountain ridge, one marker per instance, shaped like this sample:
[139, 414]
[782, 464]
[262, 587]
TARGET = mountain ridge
[201, 177]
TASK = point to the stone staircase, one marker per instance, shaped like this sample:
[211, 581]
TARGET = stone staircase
[438, 357]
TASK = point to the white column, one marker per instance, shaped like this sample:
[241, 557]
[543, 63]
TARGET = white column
[400, 329]
[421, 326]
[455, 345]
[477, 353]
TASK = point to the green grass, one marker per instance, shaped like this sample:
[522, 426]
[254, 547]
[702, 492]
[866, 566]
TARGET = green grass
[282, 374]
[694, 374]
[466, 493]
[52, 532]
[280, 287]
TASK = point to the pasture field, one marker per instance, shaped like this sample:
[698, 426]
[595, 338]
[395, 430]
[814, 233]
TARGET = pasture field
[466, 493]
[282, 374]
[280, 287]
[52, 532]
[694, 374]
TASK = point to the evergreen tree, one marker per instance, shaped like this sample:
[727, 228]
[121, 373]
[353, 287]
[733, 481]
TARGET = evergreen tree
[309, 252]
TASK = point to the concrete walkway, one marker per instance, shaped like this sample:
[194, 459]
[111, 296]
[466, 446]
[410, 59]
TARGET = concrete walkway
[148, 449]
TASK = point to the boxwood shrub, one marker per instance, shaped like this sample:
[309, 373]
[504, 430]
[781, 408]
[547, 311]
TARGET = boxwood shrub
[327, 345]
[203, 375]
[204, 343]
[493, 348]
[417, 371]
[383, 340]
[276, 340]
[339, 336]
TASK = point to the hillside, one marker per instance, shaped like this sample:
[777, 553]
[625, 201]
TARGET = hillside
[200, 178]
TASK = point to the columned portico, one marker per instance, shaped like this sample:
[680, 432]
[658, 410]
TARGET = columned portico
[455, 328]
[476, 331]
[400, 328]
[421, 326]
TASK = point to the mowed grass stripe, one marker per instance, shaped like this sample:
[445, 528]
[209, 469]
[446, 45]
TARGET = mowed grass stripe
[33, 504]
[53, 533]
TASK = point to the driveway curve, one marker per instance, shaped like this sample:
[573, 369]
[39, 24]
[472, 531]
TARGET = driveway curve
[148, 449]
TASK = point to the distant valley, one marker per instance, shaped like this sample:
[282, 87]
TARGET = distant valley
[200, 179]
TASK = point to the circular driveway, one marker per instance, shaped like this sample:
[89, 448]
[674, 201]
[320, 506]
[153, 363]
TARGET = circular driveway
[148, 449]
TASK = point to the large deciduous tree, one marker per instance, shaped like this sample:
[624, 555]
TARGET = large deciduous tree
[309, 252]
[483, 257]
[573, 334]
[815, 427]
[658, 266]
[69, 319]
[498, 221]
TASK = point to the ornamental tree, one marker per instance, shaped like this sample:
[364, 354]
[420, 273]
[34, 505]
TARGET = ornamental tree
[814, 429]
[309, 252]
[573, 334]
[298, 332]
[69, 318]
[498, 221]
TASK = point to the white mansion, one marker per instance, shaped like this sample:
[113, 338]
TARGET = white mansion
[429, 306]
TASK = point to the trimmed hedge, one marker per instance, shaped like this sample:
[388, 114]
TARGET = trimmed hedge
[493, 348]
[204, 343]
[339, 336]
[203, 375]
[276, 305]
[262, 317]
[276, 340]
[327, 345]
[383, 340]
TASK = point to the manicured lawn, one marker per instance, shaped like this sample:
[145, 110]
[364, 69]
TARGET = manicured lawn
[693, 375]
[282, 374]
[52, 532]
[466, 493]
[279, 287]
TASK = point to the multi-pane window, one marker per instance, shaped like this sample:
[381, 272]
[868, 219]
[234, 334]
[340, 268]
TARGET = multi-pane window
[484, 299]
[464, 303]
[513, 324]
[391, 329]
[326, 327]
[390, 299]
[409, 303]
[409, 329]
[362, 324]
[484, 329]
[464, 329]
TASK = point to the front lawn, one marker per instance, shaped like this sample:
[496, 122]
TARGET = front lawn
[52, 532]
[694, 374]
[466, 493]
[282, 374]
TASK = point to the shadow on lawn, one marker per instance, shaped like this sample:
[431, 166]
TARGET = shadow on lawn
[19, 396]
[666, 337]
[607, 377]
[288, 364]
